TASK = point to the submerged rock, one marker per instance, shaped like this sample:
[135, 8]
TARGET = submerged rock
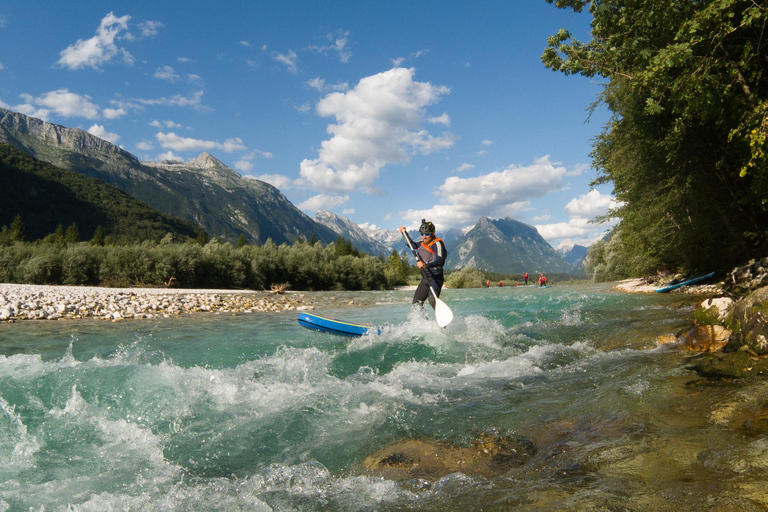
[491, 453]
[734, 365]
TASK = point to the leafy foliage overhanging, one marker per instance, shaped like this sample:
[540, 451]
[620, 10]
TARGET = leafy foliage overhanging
[685, 148]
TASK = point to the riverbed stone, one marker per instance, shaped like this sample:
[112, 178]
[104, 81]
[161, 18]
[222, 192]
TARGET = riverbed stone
[491, 453]
[706, 338]
[733, 365]
[749, 323]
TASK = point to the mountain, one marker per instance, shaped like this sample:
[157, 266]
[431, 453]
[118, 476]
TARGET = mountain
[575, 256]
[505, 246]
[204, 190]
[46, 197]
[352, 232]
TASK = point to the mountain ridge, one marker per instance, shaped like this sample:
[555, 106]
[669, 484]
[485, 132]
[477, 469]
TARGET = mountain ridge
[204, 190]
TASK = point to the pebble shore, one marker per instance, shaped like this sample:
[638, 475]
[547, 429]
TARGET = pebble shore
[45, 302]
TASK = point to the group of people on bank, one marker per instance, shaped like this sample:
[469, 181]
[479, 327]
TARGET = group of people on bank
[542, 281]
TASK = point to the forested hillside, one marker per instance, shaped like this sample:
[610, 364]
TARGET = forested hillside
[46, 197]
[686, 146]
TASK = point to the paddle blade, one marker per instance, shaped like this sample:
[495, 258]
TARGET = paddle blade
[443, 314]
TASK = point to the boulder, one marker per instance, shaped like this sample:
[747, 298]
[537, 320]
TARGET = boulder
[713, 311]
[748, 323]
[733, 365]
[490, 454]
[706, 338]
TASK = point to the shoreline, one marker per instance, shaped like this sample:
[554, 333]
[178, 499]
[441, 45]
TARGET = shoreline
[59, 302]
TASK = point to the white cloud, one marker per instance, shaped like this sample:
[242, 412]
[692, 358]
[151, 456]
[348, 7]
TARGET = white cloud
[166, 73]
[464, 167]
[276, 180]
[63, 103]
[578, 170]
[487, 142]
[145, 145]
[590, 205]
[377, 123]
[496, 194]
[150, 28]
[1, 66]
[177, 100]
[177, 143]
[323, 202]
[289, 60]
[100, 48]
[168, 155]
[442, 119]
[164, 124]
[101, 132]
[319, 84]
[112, 113]
[582, 210]
[245, 43]
[338, 45]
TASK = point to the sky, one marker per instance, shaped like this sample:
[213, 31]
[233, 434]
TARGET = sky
[381, 112]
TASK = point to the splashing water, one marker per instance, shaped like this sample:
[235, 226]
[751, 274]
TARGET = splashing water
[254, 412]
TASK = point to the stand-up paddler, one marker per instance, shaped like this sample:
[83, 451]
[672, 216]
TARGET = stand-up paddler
[431, 254]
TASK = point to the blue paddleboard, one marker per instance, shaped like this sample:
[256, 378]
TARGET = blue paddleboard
[334, 326]
[684, 283]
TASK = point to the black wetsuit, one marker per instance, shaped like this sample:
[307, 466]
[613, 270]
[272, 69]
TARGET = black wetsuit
[433, 255]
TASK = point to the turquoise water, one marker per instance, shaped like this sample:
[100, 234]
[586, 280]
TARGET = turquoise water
[254, 412]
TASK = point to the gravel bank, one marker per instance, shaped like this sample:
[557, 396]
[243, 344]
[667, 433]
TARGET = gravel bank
[43, 302]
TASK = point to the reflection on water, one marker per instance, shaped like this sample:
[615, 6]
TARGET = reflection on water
[558, 397]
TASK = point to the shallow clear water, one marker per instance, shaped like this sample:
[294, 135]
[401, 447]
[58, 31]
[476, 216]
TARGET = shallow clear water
[254, 412]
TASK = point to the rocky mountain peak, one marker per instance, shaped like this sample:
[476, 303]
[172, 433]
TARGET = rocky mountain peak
[206, 161]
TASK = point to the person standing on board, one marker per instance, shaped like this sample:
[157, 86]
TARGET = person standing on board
[525, 278]
[542, 280]
[432, 254]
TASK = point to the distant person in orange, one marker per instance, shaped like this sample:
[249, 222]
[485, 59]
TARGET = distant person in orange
[501, 283]
[542, 280]
[525, 278]
[488, 283]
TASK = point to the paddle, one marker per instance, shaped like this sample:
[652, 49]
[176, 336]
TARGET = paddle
[443, 314]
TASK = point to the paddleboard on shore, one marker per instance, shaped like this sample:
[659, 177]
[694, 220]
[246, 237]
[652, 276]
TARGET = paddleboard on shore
[673, 285]
[330, 325]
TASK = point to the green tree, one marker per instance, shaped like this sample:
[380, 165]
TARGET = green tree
[686, 145]
[242, 241]
[202, 238]
[98, 237]
[17, 230]
[72, 234]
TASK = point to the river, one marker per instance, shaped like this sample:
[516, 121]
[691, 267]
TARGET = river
[254, 412]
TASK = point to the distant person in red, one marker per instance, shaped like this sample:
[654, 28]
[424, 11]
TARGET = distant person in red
[525, 278]
[488, 283]
[542, 280]
[501, 283]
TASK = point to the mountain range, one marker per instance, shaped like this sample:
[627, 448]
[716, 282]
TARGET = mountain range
[203, 190]
[227, 205]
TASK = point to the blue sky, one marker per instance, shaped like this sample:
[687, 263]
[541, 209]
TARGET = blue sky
[383, 112]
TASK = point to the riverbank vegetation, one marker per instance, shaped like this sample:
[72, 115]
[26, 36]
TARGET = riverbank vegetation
[686, 149]
[301, 266]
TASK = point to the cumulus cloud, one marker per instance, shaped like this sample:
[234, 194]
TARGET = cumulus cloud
[276, 180]
[177, 143]
[177, 100]
[113, 113]
[582, 210]
[100, 48]
[442, 119]
[145, 145]
[323, 202]
[149, 28]
[496, 194]
[101, 132]
[61, 102]
[377, 123]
